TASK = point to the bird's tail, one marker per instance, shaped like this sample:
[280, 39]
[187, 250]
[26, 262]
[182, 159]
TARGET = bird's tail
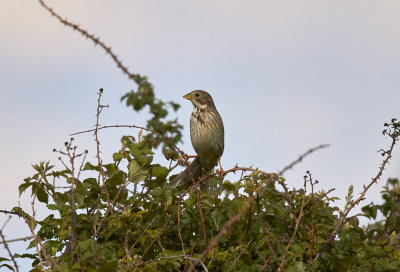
[192, 172]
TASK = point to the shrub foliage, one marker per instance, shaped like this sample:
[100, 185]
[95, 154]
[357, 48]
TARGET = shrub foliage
[122, 215]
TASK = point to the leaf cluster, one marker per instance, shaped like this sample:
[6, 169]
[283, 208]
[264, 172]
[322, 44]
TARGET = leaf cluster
[134, 221]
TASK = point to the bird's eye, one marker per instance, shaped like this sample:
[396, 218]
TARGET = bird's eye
[197, 94]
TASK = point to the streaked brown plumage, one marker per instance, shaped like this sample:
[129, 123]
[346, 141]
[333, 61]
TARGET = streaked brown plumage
[207, 135]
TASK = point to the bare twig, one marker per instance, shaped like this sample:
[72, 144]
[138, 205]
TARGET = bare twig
[149, 246]
[272, 177]
[223, 231]
[38, 241]
[94, 39]
[310, 260]
[99, 160]
[239, 255]
[301, 157]
[325, 194]
[176, 257]
[273, 254]
[138, 239]
[8, 250]
[18, 239]
[179, 229]
[169, 140]
[6, 244]
[11, 212]
[394, 132]
[283, 259]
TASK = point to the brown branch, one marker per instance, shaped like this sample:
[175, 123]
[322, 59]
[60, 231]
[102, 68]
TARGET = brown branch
[325, 194]
[8, 250]
[283, 259]
[18, 239]
[175, 257]
[313, 238]
[301, 157]
[179, 229]
[6, 243]
[394, 134]
[223, 231]
[99, 160]
[149, 246]
[140, 236]
[239, 255]
[11, 212]
[171, 141]
[94, 39]
[273, 254]
[232, 220]
[38, 241]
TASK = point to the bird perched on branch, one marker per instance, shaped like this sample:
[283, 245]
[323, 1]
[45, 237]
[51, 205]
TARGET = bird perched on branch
[207, 135]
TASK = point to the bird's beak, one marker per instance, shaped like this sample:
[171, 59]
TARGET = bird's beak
[188, 96]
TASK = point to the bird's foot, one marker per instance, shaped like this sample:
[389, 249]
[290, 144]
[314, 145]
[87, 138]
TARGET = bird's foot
[185, 157]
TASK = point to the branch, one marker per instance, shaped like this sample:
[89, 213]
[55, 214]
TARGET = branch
[231, 221]
[17, 239]
[10, 212]
[301, 157]
[94, 39]
[223, 231]
[283, 259]
[171, 141]
[394, 132]
[8, 250]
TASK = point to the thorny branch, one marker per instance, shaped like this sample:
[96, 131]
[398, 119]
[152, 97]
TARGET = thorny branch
[169, 140]
[272, 177]
[313, 238]
[96, 136]
[283, 258]
[393, 131]
[94, 39]
[6, 245]
[237, 217]
[18, 239]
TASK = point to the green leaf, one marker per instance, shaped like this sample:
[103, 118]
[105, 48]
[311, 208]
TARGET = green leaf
[8, 266]
[24, 186]
[53, 207]
[117, 179]
[160, 172]
[42, 194]
[25, 255]
[170, 154]
[117, 156]
[89, 166]
[136, 173]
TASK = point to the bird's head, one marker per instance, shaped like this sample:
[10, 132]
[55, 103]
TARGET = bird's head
[200, 99]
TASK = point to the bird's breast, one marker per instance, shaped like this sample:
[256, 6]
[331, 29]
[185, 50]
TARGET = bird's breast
[207, 134]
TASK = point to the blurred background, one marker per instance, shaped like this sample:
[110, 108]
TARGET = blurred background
[285, 77]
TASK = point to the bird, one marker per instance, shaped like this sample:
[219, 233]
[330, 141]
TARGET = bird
[207, 136]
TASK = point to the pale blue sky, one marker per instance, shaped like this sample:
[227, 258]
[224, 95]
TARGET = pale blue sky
[285, 76]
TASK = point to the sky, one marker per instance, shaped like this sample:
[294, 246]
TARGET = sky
[285, 77]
